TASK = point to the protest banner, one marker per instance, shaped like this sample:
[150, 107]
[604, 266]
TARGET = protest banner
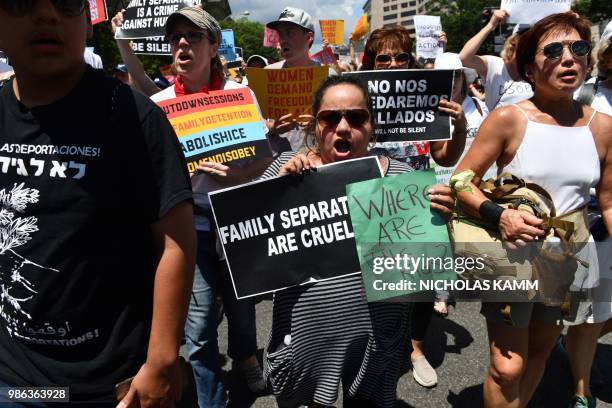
[290, 230]
[226, 48]
[151, 46]
[147, 18]
[405, 103]
[392, 221]
[220, 126]
[427, 31]
[97, 11]
[271, 38]
[283, 91]
[361, 28]
[332, 31]
[531, 11]
[324, 57]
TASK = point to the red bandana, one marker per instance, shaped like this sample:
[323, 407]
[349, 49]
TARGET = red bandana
[216, 82]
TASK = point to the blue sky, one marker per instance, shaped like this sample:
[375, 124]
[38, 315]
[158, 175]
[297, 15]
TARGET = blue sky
[265, 11]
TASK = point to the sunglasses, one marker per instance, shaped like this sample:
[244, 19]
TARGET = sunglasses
[70, 8]
[578, 48]
[192, 37]
[355, 117]
[402, 58]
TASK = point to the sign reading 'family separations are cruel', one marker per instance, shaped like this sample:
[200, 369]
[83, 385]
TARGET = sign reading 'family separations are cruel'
[300, 233]
[401, 242]
[147, 18]
[219, 126]
[405, 103]
[283, 91]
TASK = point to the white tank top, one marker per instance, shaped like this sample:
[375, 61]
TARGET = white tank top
[563, 160]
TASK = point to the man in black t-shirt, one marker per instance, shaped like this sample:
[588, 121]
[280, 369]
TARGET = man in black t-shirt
[96, 226]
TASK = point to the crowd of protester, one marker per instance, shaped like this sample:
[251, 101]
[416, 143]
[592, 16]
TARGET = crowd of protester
[129, 246]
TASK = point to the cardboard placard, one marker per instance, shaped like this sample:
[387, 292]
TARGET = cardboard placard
[392, 220]
[405, 103]
[98, 11]
[283, 91]
[226, 48]
[427, 31]
[219, 126]
[271, 38]
[151, 46]
[147, 18]
[531, 11]
[332, 31]
[324, 57]
[290, 230]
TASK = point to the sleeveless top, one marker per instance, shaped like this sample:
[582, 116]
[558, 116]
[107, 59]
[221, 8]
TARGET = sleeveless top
[563, 160]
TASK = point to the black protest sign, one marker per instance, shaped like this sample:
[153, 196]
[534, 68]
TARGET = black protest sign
[290, 230]
[151, 46]
[147, 18]
[405, 103]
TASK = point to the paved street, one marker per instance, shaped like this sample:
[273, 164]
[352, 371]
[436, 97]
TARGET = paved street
[457, 348]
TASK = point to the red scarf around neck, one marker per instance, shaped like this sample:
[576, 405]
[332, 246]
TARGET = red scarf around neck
[216, 83]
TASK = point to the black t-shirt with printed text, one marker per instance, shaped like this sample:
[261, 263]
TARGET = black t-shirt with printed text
[81, 182]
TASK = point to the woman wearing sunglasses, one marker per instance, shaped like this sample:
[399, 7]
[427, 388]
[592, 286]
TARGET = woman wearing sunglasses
[325, 333]
[566, 148]
[389, 48]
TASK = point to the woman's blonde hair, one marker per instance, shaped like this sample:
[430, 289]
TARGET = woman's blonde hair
[507, 53]
[604, 53]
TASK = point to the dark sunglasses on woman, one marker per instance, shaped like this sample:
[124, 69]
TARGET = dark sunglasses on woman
[71, 8]
[192, 37]
[402, 58]
[354, 117]
[578, 48]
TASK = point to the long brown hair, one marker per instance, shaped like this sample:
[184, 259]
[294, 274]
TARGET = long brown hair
[390, 37]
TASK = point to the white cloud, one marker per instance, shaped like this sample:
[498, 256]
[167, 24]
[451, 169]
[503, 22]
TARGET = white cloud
[265, 11]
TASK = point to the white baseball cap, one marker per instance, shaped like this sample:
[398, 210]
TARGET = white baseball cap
[449, 60]
[293, 15]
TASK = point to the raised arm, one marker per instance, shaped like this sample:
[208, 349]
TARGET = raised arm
[142, 82]
[468, 53]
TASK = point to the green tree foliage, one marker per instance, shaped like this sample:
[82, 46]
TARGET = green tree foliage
[594, 10]
[461, 21]
[249, 35]
[105, 46]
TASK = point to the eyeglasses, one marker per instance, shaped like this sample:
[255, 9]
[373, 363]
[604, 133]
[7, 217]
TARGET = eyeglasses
[578, 48]
[402, 58]
[70, 8]
[355, 117]
[192, 37]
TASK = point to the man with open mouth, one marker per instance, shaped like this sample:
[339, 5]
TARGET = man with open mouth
[296, 34]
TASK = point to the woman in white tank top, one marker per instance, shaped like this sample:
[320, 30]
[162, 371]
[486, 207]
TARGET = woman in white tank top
[566, 148]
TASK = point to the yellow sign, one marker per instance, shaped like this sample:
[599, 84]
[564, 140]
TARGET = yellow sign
[283, 91]
[361, 28]
[332, 31]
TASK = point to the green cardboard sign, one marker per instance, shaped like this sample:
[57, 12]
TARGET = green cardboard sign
[402, 244]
